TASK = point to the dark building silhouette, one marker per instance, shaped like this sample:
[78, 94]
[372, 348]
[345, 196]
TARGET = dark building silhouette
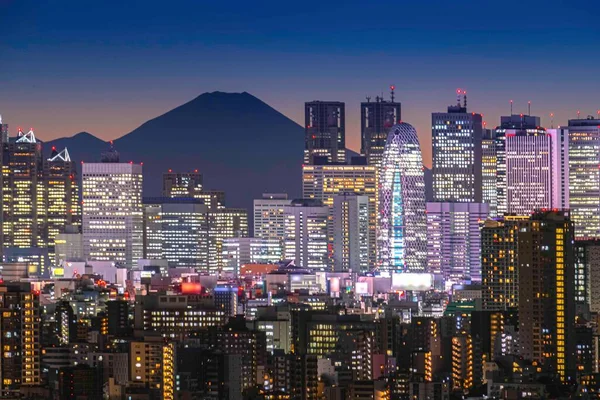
[325, 131]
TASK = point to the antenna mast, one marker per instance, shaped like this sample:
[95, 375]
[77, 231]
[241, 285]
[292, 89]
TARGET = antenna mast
[511, 103]
[392, 88]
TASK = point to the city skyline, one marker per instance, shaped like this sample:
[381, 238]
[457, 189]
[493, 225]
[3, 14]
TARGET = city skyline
[128, 81]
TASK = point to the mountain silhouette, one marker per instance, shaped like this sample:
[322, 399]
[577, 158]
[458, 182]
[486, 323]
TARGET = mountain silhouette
[240, 144]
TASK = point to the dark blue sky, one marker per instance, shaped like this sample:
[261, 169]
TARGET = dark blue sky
[105, 67]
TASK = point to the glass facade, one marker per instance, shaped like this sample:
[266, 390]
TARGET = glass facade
[402, 231]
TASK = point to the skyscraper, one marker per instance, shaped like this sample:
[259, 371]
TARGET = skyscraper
[376, 120]
[112, 210]
[454, 240]
[499, 263]
[176, 229]
[325, 131]
[324, 182]
[402, 234]
[306, 234]
[269, 222]
[456, 139]
[63, 208]
[509, 125]
[547, 292]
[350, 233]
[584, 176]
[489, 193]
[587, 274]
[529, 175]
[222, 224]
[182, 184]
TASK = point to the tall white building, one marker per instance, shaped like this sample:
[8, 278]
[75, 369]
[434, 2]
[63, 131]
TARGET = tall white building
[268, 216]
[350, 233]
[529, 177]
[584, 176]
[489, 192]
[456, 139]
[454, 240]
[306, 234]
[112, 212]
[402, 230]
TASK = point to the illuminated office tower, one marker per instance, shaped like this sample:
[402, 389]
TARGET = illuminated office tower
[182, 184]
[112, 210]
[509, 126]
[499, 263]
[23, 194]
[325, 131]
[489, 193]
[324, 182]
[20, 326]
[249, 250]
[584, 176]
[402, 229]
[62, 198]
[223, 224]
[529, 177]
[456, 139]
[376, 120]
[350, 233]
[547, 292]
[269, 223]
[176, 230]
[454, 241]
[305, 239]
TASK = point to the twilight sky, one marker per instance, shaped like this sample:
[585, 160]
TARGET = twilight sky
[105, 67]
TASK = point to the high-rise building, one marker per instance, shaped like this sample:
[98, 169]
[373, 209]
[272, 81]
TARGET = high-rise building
[584, 176]
[23, 194]
[454, 240]
[182, 184]
[509, 125]
[547, 292]
[269, 223]
[587, 272]
[62, 198]
[324, 182]
[239, 251]
[376, 120]
[529, 178]
[499, 263]
[222, 224]
[351, 233]
[560, 167]
[306, 233]
[112, 210]
[3, 141]
[402, 234]
[325, 131]
[176, 229]
[489, 193]
[20, 326]
[456, 139]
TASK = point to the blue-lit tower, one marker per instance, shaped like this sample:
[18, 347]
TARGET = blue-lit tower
[402, 231]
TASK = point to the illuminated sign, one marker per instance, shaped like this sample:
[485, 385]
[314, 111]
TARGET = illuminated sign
[412, 281]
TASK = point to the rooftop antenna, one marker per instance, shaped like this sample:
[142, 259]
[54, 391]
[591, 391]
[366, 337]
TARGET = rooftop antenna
[552, 120]
[458, 92]
[511, 103]
[465, 96]
[368, 99]
[392, 88]
[578, 113]
[529, 107]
